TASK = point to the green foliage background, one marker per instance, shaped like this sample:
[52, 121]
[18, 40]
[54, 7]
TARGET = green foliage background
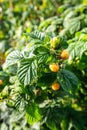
[27, 101]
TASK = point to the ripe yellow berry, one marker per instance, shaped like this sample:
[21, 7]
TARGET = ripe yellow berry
[55, 86]
[64, 55]
[1, 82]
[54, 67]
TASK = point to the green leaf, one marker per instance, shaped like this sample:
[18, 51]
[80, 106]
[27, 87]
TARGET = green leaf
[36, 35]
[67, 11]
[42, 53]
[84, 30]
[81, 47]
[72, 25]
[71, 49]
[19, 102]
[27, 73]
[5, 79]
[33, 114]
[13, 58]
[76, 119]
[67, 80]
[53, 116]
[4, 45]
[77, 49]
[65, 124]
[47, 22]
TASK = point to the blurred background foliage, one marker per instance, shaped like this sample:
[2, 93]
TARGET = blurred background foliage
[25, 15]
[49, 16]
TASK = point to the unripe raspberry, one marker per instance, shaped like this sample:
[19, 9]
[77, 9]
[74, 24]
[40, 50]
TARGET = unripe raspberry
[55, 42]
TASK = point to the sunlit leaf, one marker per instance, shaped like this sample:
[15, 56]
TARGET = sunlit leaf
[14, 57]
[33, 114]
[27, 73]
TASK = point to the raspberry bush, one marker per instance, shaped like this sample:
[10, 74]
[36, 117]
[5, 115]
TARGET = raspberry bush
[43, 52]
